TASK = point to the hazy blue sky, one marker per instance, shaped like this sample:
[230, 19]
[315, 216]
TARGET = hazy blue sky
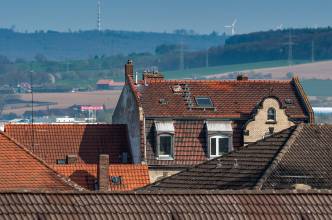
[164, 15]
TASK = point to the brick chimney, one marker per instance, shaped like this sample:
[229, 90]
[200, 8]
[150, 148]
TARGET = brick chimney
[129, 69]
[242, 77]
[102, 173]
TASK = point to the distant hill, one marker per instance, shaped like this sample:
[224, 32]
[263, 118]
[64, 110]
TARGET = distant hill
[84, 44]
[307, 44]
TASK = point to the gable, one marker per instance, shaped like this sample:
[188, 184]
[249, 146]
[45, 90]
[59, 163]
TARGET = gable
[260, 126]
[20, 169]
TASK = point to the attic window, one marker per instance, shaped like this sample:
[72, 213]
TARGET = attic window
[61, 161]
[116, 180]
[204, 102]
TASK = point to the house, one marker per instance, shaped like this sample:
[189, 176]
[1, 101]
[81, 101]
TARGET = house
[174, 124]
[76, 151]
[108, 84]
[249, 205]
[20, 169]
[299, 156]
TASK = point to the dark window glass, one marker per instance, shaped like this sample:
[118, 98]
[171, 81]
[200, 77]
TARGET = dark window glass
[213, 146]
[204, 102]
[271, 114]
[165, 145]
[223, 145]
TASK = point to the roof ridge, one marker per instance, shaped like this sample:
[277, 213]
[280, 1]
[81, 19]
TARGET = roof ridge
[61, 177]
[178, 192]
[279, 156]
[218, 81]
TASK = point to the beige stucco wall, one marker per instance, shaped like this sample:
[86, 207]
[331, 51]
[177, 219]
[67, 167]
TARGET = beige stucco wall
[159, 174]
[258, 127]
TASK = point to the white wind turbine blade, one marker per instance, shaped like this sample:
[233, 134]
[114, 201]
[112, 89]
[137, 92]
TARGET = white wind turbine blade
[234, 22]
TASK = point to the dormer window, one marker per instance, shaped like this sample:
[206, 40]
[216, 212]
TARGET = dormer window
[219, 137]
[204, 102]
[164, 140]
[271, 115]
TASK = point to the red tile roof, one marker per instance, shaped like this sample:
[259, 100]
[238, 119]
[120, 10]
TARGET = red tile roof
[133, 176]
[87, 141]
[231, 99]
[20, 169]
[250, 205]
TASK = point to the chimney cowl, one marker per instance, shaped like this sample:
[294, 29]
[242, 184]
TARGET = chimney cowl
[242, 77]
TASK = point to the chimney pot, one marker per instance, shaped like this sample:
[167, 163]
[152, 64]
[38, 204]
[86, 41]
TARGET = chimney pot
[242, 77]
[102, 173]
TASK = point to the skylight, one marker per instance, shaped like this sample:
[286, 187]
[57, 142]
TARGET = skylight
[204, 102]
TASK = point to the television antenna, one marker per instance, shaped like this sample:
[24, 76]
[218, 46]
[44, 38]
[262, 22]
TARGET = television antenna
[232, 26]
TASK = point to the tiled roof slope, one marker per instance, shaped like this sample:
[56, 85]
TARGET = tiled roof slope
[217, 205]
[240, 169]
[21, 170]
[87, 141]
[232, 99]
[133, 176]
[298, 155]
[307, 161]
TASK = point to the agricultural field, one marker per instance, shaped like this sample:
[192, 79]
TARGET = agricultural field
[64, 100]
[215, 71]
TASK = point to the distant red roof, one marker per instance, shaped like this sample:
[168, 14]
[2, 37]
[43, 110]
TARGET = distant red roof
[55, 141]
[20, 169]
[133, 176]
[230, 99]
[109, 82]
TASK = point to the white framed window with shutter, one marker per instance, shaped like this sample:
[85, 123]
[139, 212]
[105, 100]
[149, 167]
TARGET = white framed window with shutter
[219, 138]
[164, 140]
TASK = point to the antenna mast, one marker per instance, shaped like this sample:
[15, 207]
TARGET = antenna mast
[99, 16]
[290, 48]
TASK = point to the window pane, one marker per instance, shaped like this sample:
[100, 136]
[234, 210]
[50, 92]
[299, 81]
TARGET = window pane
[213, 147]
[165, 145]
[271, 114]
[223, 145]
[203, 101]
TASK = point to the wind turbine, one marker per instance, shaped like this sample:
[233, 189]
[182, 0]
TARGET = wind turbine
[232, 26]
[279, 27]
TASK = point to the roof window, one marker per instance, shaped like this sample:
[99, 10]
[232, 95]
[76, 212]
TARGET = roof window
[116, 180]
[204, 102]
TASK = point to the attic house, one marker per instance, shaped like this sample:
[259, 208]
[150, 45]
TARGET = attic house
[173, 124]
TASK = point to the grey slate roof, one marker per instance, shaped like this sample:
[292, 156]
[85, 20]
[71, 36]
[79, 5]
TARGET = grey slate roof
[298, 155]
[177, 205]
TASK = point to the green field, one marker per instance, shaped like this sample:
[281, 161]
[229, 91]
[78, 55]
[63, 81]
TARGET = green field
[200, 72]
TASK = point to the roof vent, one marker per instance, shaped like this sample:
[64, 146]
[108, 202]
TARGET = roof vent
[162, 101]
[301, 186]
[242, 77]
[288, 101]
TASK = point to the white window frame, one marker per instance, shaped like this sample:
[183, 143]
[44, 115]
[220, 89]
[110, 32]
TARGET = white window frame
[165, 156]
[220, 136]
[274, 114]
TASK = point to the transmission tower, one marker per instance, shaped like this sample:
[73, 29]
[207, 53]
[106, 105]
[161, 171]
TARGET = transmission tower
[290, 48]
[181, 55]
[99, 16]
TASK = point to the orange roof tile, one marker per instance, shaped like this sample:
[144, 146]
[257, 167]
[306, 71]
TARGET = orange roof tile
[55, 141]
[20, 169]
[133, 175]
